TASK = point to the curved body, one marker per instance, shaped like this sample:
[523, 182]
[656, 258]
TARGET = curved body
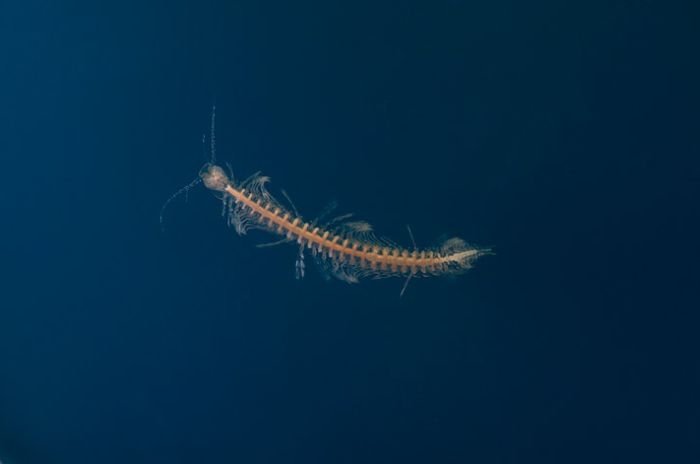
[349, 249]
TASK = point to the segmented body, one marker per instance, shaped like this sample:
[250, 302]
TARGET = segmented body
[349, 250]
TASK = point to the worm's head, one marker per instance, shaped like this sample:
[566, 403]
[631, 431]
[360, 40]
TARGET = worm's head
[214, 177]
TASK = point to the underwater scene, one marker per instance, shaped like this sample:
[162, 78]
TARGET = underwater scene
[349, 232]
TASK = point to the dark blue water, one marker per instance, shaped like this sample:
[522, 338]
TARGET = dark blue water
[565, 136]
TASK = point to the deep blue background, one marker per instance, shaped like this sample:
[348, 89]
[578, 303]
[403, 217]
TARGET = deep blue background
[563, 134]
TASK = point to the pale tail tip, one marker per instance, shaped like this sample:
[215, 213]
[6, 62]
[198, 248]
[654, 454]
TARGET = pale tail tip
[486, 252]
